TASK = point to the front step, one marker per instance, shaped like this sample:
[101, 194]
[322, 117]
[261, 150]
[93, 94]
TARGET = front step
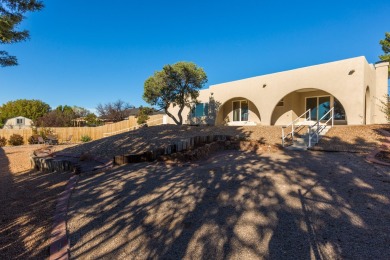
[299, 144]
[302, 143]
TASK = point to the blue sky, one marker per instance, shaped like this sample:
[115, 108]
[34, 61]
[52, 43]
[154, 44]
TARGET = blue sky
[88, 52]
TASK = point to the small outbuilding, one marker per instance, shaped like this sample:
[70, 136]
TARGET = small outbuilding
[19, 122]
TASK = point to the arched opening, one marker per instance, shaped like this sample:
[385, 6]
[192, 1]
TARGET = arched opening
[294, 104]
[238, 111]
[367, 107]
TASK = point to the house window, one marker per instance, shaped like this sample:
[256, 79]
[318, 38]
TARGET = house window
[339, 112]
[280, 103]
[19, 121]
[240, 110]
[200, 109]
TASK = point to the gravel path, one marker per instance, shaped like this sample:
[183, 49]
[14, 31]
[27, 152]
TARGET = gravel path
[27, 203]
[282, 205]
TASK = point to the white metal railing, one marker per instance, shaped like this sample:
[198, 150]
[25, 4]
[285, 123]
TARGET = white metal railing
[294, 125]
[134, 127]
[318, 127]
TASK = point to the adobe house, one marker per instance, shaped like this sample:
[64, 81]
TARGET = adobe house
[353, 87]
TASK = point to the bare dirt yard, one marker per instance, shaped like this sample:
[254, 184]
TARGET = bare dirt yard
[279, 204]
[27, 204]
[236, 205]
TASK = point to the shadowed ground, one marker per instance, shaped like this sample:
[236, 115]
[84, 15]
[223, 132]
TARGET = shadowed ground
[27, 204]
[283, 205]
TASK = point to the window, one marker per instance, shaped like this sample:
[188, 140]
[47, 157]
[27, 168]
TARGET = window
[339, 112]
[240, 110]
[281, 103]
[321, 105]
[19, 121]
[200, 109]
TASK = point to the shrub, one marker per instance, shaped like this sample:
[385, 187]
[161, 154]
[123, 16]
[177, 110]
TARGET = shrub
[32, 139]
[143, 114]
[3, 141]
[15, 140]
[44, 132]
[85, 138]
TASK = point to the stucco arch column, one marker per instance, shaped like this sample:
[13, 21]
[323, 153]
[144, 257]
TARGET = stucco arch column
[353, 106]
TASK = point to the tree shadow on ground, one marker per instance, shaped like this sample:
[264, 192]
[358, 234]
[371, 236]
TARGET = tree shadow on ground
[27, 205]
[158, 136]
[282, 205]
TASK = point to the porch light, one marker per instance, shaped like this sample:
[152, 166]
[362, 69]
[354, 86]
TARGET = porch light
[351, 72]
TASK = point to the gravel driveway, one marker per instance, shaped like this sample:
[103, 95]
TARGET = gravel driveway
[282, 205]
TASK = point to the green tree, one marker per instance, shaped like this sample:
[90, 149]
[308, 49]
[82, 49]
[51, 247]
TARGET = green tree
[32, 109]
[386, 49]
[11, 15]
[175, 85]
[92, 120]
[143, 114]
[62, 116]
[80, 111]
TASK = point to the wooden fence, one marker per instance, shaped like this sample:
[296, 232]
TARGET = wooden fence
[94, 132]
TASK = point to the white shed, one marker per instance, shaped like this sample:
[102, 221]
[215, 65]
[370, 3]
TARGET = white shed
[18, 122]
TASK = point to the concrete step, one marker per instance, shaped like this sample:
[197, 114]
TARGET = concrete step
[301, 140]
[298, 144]
[242, 123]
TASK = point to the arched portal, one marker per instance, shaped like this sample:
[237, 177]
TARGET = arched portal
[367, 107]
[297, 102]
[238, 111]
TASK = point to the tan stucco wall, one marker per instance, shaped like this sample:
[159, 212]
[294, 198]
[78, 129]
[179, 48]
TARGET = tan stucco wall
[225, 113]
[333, 78]
[381, 90]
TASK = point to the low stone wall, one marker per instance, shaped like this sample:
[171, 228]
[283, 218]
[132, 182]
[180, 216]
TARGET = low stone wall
[194, 148]
[49, 164]
[45, 161]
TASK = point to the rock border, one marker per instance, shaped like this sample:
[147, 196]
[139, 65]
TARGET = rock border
[193, 148]
[371, 157]
[59, 241]
[45, 160]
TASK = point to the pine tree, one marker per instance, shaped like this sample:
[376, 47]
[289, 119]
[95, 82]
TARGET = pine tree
[11, 15]
[386, 49]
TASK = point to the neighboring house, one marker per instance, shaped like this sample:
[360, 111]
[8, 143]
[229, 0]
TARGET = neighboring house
[18, 122]
[353, 87]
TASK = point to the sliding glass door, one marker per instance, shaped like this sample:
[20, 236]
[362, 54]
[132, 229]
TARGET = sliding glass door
[319, 106]
[240, 110]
